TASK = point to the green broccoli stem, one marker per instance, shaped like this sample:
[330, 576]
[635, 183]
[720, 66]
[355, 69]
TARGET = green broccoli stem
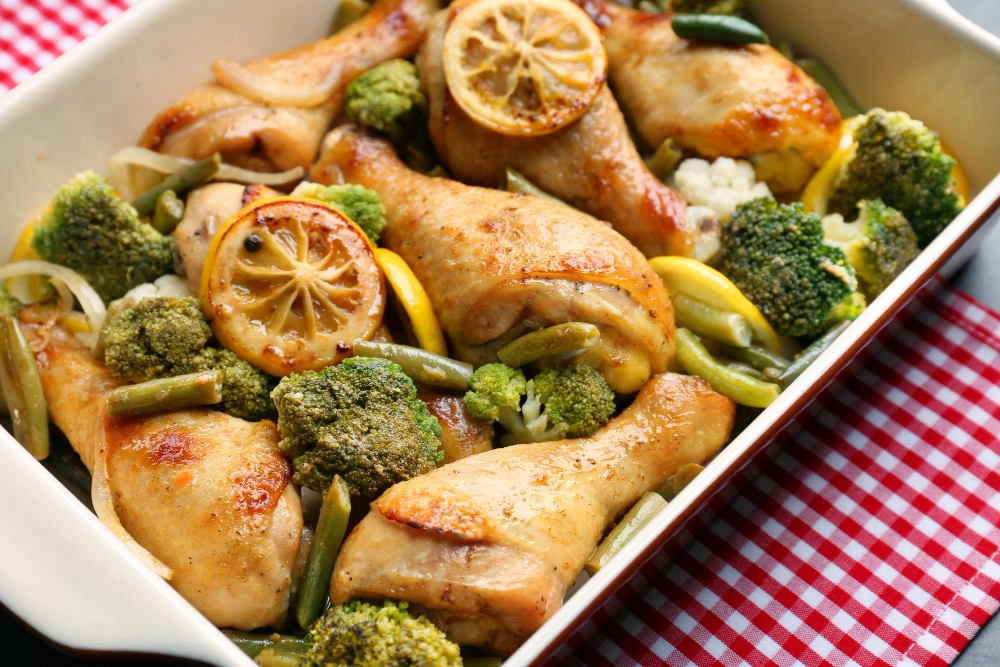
[680, 479]
[420, 365]
[168, 212]
[181, 182]
[274, 657]
[755, 356]
[549, 342]
[634, 521]
[811, 354]
[825, 78]
[330, 530]
[22, 390]
[743, 389]
[173, 393]
[705, 320]
[515, 181]
[717, 29]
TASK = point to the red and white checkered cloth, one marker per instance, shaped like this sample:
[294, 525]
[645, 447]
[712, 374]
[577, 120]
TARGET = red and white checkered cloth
[871, 538]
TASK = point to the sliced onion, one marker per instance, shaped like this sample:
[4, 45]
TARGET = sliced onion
[91, 303]
[104, 507]
[239, 79]
[122, 180]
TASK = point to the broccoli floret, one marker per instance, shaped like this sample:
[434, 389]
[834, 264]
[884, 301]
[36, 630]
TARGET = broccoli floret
[559, 402]
[358, 203]
[387, 98]
[728, 7]
[246, 390]
[165, 336]
[492, 387]
[9, 306]
[898, 160]
[360, 419]
[776, 256]
[154, 338]
[879, 245]
[362, 634]
[92, 231]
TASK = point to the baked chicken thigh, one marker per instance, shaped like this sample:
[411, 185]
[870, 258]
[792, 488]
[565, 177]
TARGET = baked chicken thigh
[497, 263]
[271, 113]
[207, 494]
[591, 163]
[490, 544]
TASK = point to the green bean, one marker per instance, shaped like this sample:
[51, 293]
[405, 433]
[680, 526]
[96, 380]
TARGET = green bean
[640, 514]
[785, 49]
[664, 161]
[168, 212]
[740, 367]
[66, 466]
[743, 389]
[272, 657]
[254, 643]
[718, 29]
[754, 355]
[722, 325]
[771, 374]
[181, 182]
[517, 182]
[422, 366]
[549, 342]
[175, 393]
[22, 390]
[684, 476]
[299, 570]
[824, 77]
[482, 662]
[811, 353]
[349, 12]
[649, 7]
[330, 529]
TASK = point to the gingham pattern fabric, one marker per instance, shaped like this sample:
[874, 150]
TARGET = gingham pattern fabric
[871, 538]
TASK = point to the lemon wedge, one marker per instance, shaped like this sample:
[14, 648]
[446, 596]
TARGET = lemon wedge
[683, 275]
[415, 302]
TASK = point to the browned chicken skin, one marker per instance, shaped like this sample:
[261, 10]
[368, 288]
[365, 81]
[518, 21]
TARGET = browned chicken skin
[494, 263]
[306, 84]
[462, 435]
[718, 101]
[591, 163]
[490, 544]
[206, 493]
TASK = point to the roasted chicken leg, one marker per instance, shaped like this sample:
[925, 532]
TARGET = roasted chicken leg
[490, 544]
[206, 493]
[271, 113]
[496, 263]
[591, 163]
[714, 100]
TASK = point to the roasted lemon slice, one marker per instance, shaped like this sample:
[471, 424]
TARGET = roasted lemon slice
[28, 289]
[414, 299]
[523, 67]
[289, 283]
[682, 275]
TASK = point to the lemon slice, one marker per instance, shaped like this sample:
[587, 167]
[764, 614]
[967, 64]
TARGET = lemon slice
[28, 289]
[416, 303]
[817, 193]
[289, 283]
[682, 275]
[523, 67]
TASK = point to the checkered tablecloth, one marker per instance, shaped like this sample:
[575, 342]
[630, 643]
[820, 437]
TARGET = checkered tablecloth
[871, 538]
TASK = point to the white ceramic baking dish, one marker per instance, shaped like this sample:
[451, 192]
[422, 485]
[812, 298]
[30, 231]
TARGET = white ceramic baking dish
[65, 575]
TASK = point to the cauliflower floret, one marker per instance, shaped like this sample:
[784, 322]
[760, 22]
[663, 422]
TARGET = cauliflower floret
[168, 285]
[721, 185]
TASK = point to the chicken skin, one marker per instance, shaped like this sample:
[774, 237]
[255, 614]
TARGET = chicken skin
[714, 100]
[270, 114]
[497, 263]
[591, 163]
[207, 494]
[489, 545]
